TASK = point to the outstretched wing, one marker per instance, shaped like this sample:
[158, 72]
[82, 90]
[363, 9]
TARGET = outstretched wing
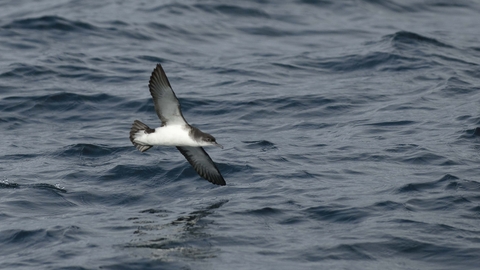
[202, 163]
[166, 103]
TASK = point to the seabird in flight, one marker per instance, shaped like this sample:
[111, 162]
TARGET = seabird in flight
[175, 131]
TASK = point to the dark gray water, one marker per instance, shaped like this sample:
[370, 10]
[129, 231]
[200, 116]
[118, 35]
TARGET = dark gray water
[351, 133]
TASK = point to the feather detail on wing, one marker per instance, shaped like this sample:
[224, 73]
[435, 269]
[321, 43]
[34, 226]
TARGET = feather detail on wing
[202, 163]
[165, 100]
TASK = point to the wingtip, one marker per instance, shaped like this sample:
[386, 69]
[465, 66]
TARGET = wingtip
[220, 181]
[158, 67]
[214, 179]
[158, 77]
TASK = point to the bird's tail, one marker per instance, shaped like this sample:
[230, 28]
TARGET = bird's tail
[139, 127]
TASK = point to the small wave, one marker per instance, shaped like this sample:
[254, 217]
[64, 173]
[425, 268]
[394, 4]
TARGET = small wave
[154, 211]
[319, 3]
[415, 7]
[19, 238]
[434, 203]
[46, 186]
[171, 8]
[337, 213]
[263, 145]
[403, 38]
[6, 185]
[470, 134]
[19, 157]
[392, 123]
[402, 148]
[455, 87]
[56, 68]
[402, 53]
[346, 252]
[50, 23]
[384, 61]
[136, 172]
[264, 212]
[19, 70]
[232, 10]
[268, 31]
[380, 207]
[425, 157]
[64, 105]
[86, 150]
[426, 186]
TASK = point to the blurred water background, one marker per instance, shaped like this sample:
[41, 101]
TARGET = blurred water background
[351, 134]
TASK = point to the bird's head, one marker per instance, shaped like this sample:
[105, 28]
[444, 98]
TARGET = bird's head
[208, 140]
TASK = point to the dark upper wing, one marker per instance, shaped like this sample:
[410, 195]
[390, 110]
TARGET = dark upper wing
[166, 103]
[202, 163]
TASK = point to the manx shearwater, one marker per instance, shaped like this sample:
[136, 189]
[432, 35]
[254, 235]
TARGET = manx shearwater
[175, 131]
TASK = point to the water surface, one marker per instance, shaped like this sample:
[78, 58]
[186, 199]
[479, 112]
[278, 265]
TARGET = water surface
[351, 134]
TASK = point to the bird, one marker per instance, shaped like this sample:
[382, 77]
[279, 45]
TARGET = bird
[175, 131]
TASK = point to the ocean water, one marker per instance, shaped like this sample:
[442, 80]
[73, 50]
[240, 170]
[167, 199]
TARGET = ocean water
[351, 132]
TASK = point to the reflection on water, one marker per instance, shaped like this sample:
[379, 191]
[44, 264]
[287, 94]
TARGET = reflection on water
[186, 236]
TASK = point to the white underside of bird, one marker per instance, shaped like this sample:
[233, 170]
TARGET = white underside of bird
[172, 135]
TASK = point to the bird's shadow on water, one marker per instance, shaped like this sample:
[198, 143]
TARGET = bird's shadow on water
[185, 237]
